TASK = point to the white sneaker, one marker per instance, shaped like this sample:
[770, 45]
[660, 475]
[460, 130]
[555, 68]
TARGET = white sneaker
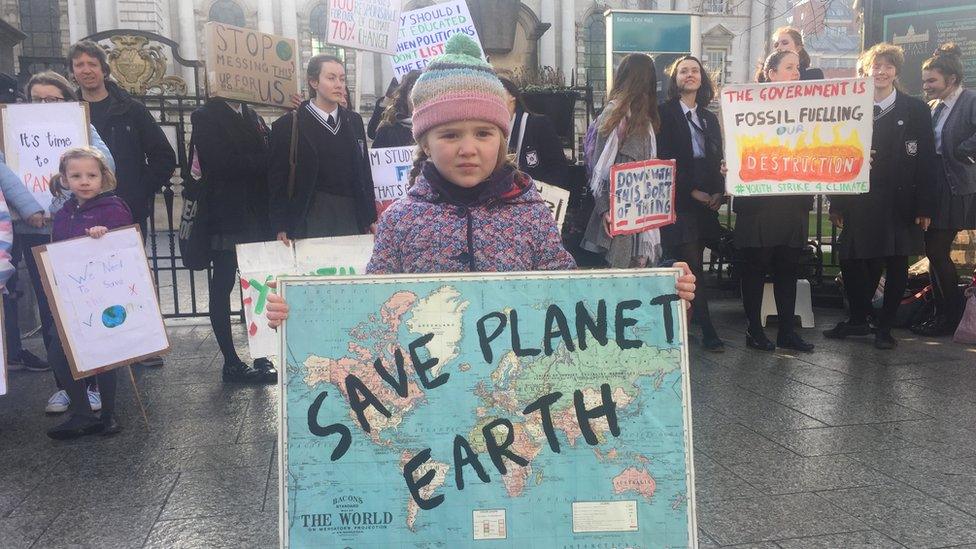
[58, 403]
[95, 400]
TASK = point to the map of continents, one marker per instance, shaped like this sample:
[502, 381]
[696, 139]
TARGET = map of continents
[434, 404]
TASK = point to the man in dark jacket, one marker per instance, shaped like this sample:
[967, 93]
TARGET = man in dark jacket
[144, 159]
[332, 190]
[231, 142]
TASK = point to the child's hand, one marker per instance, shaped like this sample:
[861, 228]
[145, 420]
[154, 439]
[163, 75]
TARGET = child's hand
[36, 220]
[277, 310]
[686, 283]
[97, 231]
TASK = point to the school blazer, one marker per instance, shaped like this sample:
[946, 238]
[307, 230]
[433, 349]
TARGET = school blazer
[674, 143]
[908, 169]
[288, 212]
[959, 144]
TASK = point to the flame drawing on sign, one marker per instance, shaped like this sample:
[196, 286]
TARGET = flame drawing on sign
[765, 159]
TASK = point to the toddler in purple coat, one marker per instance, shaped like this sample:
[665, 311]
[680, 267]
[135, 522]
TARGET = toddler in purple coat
[92, 210]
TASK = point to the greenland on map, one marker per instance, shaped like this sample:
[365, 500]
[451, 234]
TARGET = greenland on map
[529, 410]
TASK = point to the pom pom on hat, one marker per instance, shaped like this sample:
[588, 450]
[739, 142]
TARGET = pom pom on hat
[462, 45]
[459, 85]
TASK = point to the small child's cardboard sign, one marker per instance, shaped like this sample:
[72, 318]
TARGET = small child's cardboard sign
[641, 196]
[104, 300]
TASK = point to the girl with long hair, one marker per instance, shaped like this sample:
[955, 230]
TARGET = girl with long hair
[627, 130]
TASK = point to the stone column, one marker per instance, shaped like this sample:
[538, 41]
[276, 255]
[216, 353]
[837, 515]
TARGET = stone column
[106, 16]
[188, 37]
[289, 19]
[759, 11]
[265, 17]
[77, 21]
[547, 43]
[568, 36]
[365, 90]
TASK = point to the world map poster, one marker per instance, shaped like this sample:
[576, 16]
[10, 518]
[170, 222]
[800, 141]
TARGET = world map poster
[530, 410]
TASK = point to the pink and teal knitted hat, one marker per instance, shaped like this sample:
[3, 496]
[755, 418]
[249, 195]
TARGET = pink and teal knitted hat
[459, 85]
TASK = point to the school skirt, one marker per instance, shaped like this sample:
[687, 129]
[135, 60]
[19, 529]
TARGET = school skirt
[952, 211]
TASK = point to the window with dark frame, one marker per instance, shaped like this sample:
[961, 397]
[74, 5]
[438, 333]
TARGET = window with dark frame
[227, 12]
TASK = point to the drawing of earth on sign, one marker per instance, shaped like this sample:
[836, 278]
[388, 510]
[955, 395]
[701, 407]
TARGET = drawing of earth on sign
[114, 316]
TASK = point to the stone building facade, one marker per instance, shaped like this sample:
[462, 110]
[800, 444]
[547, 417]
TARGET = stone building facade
[568, 34]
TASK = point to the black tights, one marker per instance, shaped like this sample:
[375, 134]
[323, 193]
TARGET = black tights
[861, 277]
[691, 253]
[107, 382]
[221, 286]
[938, 245]
[781, 262]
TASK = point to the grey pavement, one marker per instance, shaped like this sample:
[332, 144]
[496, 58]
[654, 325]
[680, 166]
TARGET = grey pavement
[847, 447]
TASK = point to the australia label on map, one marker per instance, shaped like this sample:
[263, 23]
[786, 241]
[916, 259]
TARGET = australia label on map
[530, 410]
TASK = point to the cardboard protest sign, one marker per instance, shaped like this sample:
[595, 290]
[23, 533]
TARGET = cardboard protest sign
[369, 25]
[424, 32]
[103, 299]
[641, 196]
[448, 409]
[250, 66]
[556, 198]
[391, 169]
[260, 263]
[35, 135]
[795, 138]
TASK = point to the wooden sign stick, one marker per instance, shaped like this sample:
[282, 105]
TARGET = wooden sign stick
[135, 389]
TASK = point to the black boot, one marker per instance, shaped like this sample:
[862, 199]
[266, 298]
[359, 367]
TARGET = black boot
[883, 340]
[110, 426]
[241, 373]
[756, 339]
[267, 369]
[792, 340]
[710, 340]
[76, 426]
[846, 329]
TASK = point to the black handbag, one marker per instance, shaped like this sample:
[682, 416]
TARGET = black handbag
[194, 237]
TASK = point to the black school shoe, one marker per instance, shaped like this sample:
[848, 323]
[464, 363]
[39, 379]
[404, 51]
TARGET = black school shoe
[792, 340]
[238, 372]
[759, 341]
[267, 369]
[884, 341]
[110, 426]
[76, 426]
[713, 344]
[847, 329]
[938, 326]
[26, 360]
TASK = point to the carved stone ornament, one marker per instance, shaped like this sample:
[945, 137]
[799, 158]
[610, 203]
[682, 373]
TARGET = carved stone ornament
[139, 67]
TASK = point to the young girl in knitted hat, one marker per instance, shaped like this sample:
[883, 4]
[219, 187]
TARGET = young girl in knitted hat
[468, 208]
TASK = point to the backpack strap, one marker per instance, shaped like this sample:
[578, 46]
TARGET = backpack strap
[293, 154]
